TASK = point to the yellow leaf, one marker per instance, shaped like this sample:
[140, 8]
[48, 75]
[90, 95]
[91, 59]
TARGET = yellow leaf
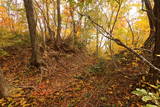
[158, 55]
[2, 100]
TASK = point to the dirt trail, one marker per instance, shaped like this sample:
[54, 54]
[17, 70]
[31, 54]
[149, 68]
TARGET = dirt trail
[63, 80]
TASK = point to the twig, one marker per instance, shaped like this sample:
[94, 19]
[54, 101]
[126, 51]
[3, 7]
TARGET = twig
[143, 49]
[153, 86]
[26, 87]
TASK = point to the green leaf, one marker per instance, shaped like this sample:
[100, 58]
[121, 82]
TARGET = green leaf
[150, 105]
[146, 98]
[139, 92]
[158, 86]
[103, 98]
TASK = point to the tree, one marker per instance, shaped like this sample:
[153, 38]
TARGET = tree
[45, 18]
[154, 37]
[32, 30]
[58, 39]
[150, 41]
[155, 75]
[3, 86]
[73, 21]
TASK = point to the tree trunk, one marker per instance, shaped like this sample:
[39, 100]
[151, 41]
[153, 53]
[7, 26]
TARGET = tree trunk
[155, 75]
[73, 23]
[58, 39]
[150, 41]
[3, 86]
[32, 30]
[51, 32]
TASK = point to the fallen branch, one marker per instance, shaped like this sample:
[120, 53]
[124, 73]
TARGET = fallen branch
[118, 42]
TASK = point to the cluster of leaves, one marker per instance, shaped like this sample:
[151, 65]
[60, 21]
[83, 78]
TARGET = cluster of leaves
[79, 44]
[11, 102]
[3, 53]
[17, 99]
[42, 90]
[99, 67]
[146, 96]
[124, 57]
[8, 38]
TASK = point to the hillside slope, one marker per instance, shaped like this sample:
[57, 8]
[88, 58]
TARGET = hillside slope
[64, 80]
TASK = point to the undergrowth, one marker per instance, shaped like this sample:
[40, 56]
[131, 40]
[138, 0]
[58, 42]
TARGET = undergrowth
[99, 67]
[152, 99]
[13, 39]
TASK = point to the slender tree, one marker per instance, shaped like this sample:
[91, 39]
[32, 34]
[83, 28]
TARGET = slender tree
[58, 39]
[71, 5]
[46, 22]
[32, 30]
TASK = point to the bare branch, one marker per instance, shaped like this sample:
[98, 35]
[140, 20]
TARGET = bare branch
[132, 32]
[143, 49]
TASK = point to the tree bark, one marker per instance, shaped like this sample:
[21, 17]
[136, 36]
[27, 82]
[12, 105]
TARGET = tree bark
[97, 43]
[73, 22]
[151, 40]
[58, 39]
[155, 75]
[3, 86]
[32, 30]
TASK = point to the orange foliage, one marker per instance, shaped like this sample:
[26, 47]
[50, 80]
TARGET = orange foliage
[5, 20]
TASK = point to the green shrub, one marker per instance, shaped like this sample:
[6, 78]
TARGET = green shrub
[3, 53]
[99, 67]
[13, 39]
[80, 45]
[147, 97]
[77, 43]
[124, 57]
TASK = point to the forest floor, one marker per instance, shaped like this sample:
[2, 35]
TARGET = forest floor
[65, 81]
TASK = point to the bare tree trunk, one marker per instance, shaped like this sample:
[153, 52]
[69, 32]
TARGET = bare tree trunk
[155, 75]
[42, 33]
[73, 23]
[51, 32]
[46, 20]
[58, 39]
[32, 30]
[97, 43]
[3, 86]
[111, 31]
[150, 41]
[132, 32]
